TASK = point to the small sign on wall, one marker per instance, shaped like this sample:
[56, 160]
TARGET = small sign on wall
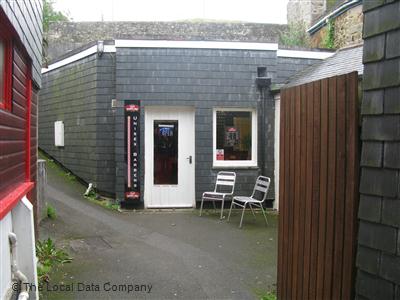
[59, 133]
[132, 142]
[220, 154]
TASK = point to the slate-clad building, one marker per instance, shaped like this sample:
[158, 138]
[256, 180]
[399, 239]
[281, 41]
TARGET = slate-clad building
[203, 107]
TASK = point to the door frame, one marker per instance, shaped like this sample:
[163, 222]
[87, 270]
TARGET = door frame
[148, 163]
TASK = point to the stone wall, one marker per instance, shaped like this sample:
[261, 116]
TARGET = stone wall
[305, 11]
[348, 30]
[67, 36]
[378, 257]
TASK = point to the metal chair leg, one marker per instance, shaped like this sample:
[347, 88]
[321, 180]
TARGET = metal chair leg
[230, 210]
[252, 211]
[222, 209]
[201, 206]
[265, 216]
[241, 219]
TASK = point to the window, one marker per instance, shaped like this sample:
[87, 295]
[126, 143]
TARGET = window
[5, 72]
[235, 137]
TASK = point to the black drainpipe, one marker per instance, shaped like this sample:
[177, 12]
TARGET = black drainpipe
[263, 83]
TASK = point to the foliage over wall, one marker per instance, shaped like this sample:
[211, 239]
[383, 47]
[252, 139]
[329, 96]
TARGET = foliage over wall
[295, 35]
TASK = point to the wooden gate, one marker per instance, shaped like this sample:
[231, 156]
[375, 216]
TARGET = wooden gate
[318, 189]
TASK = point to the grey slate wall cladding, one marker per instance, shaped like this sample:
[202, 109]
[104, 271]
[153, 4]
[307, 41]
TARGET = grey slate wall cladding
[201, 78]
[288, 66]
[26, 18]
[378, 257]
[80, 95]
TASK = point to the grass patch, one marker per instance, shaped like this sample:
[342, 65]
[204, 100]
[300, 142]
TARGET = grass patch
[50, 163]
[51, 212]
[269, 296]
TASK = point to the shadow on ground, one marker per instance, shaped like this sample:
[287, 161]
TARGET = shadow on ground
[161, 254]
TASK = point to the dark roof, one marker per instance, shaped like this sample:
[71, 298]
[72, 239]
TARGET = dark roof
[344, 61]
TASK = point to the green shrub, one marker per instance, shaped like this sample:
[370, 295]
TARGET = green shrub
[48, 257]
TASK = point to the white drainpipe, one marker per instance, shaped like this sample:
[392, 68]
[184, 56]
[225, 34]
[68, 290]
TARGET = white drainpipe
[17, 274]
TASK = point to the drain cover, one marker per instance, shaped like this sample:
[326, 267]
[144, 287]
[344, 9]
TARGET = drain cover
[89, 244]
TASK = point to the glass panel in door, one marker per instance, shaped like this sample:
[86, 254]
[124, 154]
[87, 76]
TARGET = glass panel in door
[166, 152]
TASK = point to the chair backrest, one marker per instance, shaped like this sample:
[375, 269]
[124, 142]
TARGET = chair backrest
[225, 182]
[261, 187]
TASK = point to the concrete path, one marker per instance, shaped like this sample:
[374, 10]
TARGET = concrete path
[163, 255]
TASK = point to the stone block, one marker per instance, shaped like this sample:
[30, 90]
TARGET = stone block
[381, 128]
[371, 155]
[368, 259]
[392, 155]
[370, 208]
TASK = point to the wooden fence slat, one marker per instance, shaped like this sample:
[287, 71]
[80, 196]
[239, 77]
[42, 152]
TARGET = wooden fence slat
[351, 185]
[308, 186]
[323, 189]
[282, 167]
[339, 186]
[315, 188]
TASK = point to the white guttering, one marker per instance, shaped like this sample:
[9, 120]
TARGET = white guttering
[304, 54]
[338, 11]
[78, 56]
[195, 45]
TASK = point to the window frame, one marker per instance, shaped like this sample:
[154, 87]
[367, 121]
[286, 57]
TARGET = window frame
[5, 103]
[254, 140]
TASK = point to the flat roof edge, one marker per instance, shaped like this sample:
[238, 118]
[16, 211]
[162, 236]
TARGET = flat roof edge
[189, 45]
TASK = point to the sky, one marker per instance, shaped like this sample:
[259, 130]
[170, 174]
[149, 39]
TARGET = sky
[259, 11]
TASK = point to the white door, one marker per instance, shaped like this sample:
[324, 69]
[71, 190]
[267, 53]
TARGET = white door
[169, 157]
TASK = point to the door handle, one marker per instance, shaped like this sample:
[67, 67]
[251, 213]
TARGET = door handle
[190, 159]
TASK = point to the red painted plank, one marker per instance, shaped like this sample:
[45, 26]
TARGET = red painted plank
[8, 133]
[10, 120]
[8, 147]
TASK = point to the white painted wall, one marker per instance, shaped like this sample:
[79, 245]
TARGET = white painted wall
[276, 154]
[19, 221]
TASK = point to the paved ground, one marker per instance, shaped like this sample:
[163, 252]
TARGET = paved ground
[177, 255]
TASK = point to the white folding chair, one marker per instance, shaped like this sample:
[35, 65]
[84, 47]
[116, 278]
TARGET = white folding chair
[224, 187]
[259, 195]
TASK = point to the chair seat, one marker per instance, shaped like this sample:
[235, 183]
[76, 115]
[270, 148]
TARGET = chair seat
[214, 195]
[246, 199]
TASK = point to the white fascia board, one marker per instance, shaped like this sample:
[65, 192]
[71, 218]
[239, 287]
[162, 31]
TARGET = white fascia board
[78, 56]
[195, 45]
[304, 54]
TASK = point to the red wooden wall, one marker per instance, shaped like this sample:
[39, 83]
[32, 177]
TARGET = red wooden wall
[18, 130]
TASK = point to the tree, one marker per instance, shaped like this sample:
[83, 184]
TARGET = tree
[51, 15]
